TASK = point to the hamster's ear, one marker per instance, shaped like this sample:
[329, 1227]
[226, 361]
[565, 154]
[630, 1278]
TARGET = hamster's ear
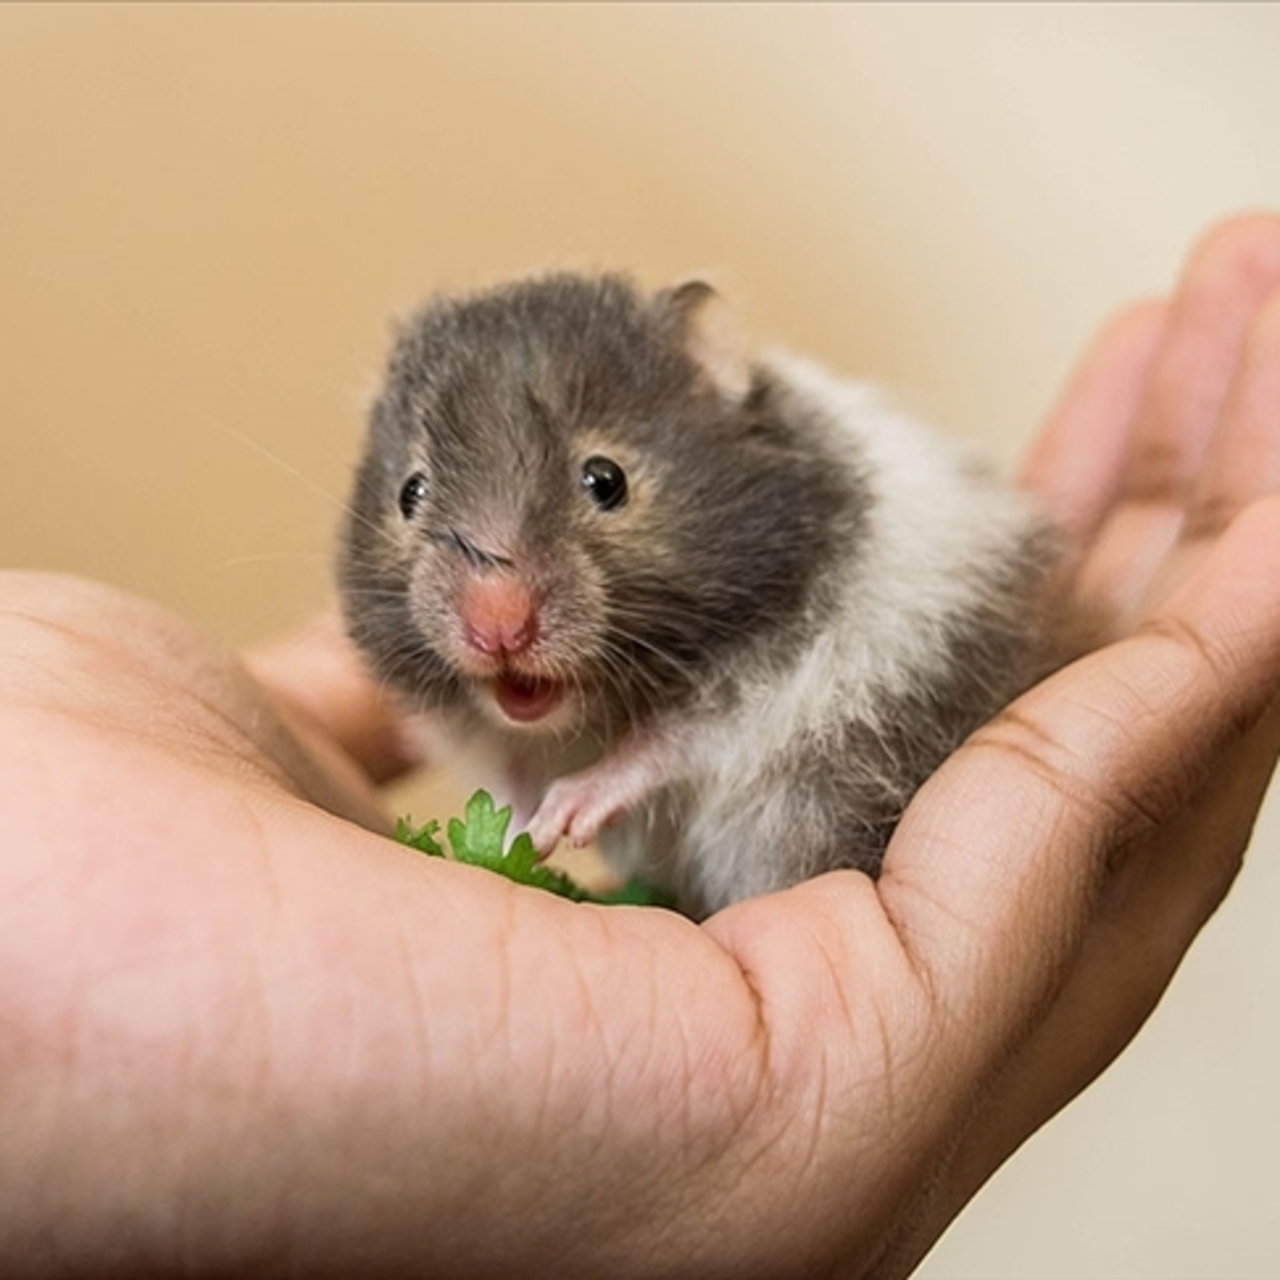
[712, 336]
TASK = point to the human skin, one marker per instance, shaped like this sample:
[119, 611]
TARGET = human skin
[246, 1035]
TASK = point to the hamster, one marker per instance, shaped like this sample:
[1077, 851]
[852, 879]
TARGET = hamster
[722, 613]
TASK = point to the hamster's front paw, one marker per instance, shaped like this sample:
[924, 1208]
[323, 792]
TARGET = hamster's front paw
[579, 805]
[575, 808]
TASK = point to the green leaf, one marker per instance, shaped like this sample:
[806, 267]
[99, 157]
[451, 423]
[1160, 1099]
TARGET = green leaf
[479, 838]
[635, 893]
[421, 838]
[522, 857]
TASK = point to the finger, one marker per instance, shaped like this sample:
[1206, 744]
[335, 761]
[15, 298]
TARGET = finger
[1005, 850]
[1228, 276]
[1243, 462]
[1075, 465]
[317, 673]
[1147, 920]
[1234, 268]
[1149, 914]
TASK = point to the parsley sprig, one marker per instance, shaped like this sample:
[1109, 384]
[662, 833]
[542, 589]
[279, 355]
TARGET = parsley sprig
[480, 838]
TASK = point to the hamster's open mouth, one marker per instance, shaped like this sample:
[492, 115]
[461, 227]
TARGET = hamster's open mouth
[526, 699]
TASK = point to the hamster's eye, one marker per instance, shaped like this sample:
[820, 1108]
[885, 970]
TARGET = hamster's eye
[413, 494]
[605, 481]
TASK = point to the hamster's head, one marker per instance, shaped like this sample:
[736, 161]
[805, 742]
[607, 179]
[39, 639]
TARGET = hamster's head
[573, 505]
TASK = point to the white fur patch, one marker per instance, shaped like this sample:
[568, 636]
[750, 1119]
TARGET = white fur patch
[939, 531]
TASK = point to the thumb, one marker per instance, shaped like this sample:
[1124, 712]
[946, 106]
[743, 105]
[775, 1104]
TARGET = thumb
[1004, 851]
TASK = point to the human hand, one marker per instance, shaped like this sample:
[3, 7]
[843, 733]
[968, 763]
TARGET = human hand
[1167, 432]
[245, 1035]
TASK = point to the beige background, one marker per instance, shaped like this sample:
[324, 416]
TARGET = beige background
[209, 213]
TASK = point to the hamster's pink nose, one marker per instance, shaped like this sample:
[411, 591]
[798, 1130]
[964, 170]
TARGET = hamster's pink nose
[498, 615]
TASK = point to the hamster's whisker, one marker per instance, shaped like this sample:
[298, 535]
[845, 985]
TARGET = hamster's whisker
[295, 472]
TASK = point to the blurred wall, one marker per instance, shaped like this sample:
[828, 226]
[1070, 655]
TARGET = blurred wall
[209, 213]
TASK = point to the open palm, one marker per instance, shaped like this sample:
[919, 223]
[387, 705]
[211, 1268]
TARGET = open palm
[246, 1036]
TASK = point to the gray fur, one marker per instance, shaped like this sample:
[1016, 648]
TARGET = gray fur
[752, 565]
